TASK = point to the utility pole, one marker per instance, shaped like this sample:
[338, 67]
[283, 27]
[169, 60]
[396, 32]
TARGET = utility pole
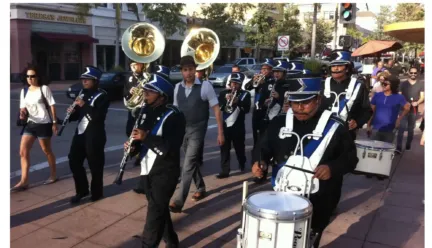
[314, 30]
[336, 25]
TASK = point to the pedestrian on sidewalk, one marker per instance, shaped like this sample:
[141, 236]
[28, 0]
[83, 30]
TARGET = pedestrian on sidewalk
[161, 135]
[386, 106]
[90, 136]
[194, 98]
[235, 104]
[413, 91]
[38, 116]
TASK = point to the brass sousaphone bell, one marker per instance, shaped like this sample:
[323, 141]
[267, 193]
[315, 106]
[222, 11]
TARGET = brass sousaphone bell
[204, 46]
[144, 43]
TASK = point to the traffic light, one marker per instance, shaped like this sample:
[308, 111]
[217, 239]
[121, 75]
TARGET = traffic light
[347, 13]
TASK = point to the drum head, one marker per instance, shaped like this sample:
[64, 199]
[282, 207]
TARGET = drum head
[374, 144]
[278, 205]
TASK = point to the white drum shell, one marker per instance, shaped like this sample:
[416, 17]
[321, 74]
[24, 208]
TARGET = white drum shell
[375, 157]
[263, 229]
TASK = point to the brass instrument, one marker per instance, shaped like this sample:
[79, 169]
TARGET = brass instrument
[258, 79]
[204, 46]
[144, 43]
[229, 106]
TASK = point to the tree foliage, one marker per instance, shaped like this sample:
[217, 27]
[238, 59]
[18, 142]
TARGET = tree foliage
[323, 35]
[168, 15]
[289, 25]
[237, 11]
[258, 30]
[405, 12]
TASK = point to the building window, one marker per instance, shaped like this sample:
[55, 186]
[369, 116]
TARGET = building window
[329, 15]
[71, 57]
[104, 5]
[307, 16]
[131, 7]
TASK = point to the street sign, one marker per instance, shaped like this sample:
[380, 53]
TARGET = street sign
[283, 43]
[345, 41]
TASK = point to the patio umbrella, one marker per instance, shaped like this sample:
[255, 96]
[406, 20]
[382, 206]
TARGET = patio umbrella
[375, 47]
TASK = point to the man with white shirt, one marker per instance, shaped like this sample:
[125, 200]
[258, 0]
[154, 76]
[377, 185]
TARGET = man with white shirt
[194, 98]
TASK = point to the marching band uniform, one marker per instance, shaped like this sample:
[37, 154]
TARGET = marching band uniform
[89, 139]
[335, 151]
[280, 86]
[353, 99]
[234, 123]
[160, 162]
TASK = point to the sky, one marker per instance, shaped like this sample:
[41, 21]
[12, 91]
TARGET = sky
[375, 8]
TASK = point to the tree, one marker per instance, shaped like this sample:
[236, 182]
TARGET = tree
[353, 32]
[324, 34]
[384, 17]
[405, 12]
[237, 11]
[289, 25]
[217, 19]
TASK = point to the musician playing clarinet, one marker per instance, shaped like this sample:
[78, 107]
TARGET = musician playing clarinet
[90, 137]
[331, 156]
[262, 92]
[235, 104]
[161, 135]
[276, 100]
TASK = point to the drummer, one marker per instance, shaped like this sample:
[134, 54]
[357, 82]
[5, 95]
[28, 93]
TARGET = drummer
[339, 158]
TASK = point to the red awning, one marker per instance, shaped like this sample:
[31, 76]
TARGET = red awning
[79, 38]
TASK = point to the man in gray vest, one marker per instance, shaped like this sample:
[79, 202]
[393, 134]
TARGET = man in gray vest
[194, 98]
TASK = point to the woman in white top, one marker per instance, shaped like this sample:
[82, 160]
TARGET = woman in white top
[40, 125]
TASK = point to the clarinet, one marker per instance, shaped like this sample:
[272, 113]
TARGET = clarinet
[126, 154]
[66, 119]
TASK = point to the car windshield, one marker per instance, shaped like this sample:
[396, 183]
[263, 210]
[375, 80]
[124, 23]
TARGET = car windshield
[175, 68]
[223, 69]
[107, 76]
[235, 62]
[256, 67]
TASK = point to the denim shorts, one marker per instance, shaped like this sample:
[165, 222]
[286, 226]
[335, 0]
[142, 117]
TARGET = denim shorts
[39, 130]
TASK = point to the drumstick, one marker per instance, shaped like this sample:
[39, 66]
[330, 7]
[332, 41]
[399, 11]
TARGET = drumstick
[245, 192]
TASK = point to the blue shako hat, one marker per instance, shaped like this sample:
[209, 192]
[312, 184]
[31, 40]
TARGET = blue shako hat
[302, 89]
[237, 77]
[281, 66]
[163, 70]
[268, 62]
[296, 65]
[91, 73]
[340, 57]
[160, 85]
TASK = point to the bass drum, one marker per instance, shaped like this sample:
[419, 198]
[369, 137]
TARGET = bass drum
[375, 157]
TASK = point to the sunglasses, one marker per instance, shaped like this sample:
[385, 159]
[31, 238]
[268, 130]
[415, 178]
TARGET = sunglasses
[413, 73]
[384, 84]
[31, 76]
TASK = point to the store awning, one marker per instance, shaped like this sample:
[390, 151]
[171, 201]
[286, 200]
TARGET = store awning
[406, 31]
[78, 38]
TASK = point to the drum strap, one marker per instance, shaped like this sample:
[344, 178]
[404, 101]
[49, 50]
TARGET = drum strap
[147, 155]
[346, 105]
[327, 88]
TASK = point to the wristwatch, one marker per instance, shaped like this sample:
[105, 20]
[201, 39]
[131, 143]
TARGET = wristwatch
[54, 122]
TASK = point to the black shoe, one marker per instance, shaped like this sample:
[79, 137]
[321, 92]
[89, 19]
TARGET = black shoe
[77, 198]
[139, 191]
[222, 175]
[174, 208]
[242, 167]
[260, 180]
[408, 148]
[398, 150]
[94, 198]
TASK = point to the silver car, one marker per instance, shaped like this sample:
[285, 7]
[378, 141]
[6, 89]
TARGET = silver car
[220, 75]
[175, 74]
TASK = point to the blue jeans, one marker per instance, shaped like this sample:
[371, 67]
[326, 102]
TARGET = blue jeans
[407, 124]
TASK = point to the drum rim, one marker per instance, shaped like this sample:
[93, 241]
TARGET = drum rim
[373, 147]
[288, 216]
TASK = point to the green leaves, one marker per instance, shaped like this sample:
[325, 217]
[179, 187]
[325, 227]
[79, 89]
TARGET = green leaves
[168, 15]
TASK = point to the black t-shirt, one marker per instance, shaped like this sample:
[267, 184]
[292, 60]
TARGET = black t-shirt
[411, 90]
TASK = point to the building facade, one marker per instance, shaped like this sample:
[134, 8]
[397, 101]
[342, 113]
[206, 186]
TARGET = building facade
[51, 36]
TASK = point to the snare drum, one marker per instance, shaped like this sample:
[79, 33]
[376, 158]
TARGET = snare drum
[277, 219]
[375, 157]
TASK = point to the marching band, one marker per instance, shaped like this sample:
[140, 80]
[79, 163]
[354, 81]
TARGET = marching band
[303, 128]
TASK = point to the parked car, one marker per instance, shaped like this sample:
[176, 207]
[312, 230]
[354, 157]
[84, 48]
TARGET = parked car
[111, 82]
[246, 62]
[220, 75]
[175, 74]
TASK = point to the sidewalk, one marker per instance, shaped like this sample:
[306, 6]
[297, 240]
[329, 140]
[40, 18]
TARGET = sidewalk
[371, 214]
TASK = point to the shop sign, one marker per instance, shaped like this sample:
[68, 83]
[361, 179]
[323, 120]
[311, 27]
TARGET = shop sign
[57, 18]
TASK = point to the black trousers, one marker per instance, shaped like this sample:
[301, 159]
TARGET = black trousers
[259, 126]
[130, 124]
[235, 135]
[91, 149]
[323, 207]
[159, 190]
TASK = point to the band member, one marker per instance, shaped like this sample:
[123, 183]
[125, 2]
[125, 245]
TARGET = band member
[352, 102]
[194, 98]
[161, 134]
[235, 103]
[276, 100]
[331, 156]
[235, 68]
[90, 137]
[201, 75]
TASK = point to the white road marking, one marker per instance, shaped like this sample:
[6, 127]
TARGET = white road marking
[44, 165]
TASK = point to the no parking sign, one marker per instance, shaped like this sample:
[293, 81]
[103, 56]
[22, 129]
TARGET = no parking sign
[283, 43]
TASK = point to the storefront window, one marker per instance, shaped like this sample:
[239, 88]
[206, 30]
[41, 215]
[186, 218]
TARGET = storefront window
[71, 57]
[54, 57]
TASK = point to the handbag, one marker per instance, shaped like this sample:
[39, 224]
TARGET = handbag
[20, 122]
[48, 108]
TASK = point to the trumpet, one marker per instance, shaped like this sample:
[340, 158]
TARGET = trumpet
[258, 79]
[68, 114]
[229, 107]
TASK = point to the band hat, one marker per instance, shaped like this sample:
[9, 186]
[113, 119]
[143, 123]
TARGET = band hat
[91, 73]
[160, 85]
[302, 89]
[163, 70]
[281, 66]
[237, 77]
[340, 57]
[187, 60]
[268, 62]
